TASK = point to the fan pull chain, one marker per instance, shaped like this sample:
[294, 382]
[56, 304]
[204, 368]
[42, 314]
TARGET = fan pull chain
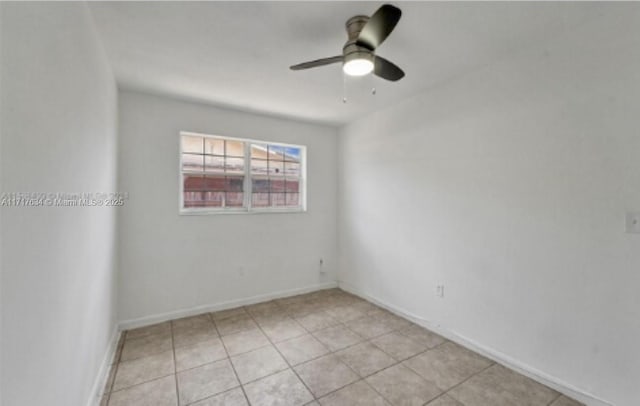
[344, 88]
[372, 82]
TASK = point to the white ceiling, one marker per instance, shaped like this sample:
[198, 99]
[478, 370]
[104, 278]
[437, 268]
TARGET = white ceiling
[237, 54]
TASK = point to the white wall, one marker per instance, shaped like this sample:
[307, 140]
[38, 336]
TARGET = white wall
[509, 186]
[58, 133]
[173, 263]
[2, 101]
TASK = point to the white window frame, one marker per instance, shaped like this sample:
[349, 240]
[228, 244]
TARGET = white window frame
[247, 186]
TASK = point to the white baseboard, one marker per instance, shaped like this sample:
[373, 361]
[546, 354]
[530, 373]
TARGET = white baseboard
[524, 369]
[158, 318]
[103, 373]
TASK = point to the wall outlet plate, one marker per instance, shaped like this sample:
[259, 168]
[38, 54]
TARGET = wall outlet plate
[632, 222]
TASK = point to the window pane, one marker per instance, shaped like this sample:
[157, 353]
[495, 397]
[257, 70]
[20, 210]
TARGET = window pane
[193, 183]
[260, 185]
[192, 199]
[292, 169]
[293, 199]
[213, 199]
[292, 154]
[278, 199]
[191, 162]
[260, 199]
[234, 184]
[259, 166]
[235, 165]
[292, 186]
[191, 144]
[214, 183]
[276, 152]
[214, 163]
[234, 199]
[258, 151]
[213, 146]
[235, 148]
[276, 167]
[276, 185]
[218, 165]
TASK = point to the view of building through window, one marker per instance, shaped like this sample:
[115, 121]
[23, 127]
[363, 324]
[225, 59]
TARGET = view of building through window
[230, 173]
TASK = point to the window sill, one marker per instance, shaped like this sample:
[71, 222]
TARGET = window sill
[207, 212]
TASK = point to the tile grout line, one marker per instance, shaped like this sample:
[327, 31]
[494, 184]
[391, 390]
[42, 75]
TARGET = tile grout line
[210, 362]
[229, 360]
[343, 323]
[334, 353]
[554, 399]
[119, 356]
[370, 340]
[446, 392]
[175, 366]
[361, 379]
[283, 357]
[436, 398]
[169, 334]
[330, 352]
[288, 315]
[214, 395]
[144, 381]
[402, 361]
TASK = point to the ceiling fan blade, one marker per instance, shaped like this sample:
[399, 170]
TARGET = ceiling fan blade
[379, 26]
[317, 62]
[387, 70]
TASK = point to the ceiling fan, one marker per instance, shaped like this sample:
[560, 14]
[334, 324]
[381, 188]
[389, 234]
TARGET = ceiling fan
[358, 54]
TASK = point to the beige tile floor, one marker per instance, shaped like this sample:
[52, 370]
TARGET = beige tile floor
[325, 348]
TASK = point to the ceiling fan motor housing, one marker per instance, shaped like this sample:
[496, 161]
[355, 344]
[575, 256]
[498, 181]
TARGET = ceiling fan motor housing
[365, 34]
[354, 25]
[351, 50]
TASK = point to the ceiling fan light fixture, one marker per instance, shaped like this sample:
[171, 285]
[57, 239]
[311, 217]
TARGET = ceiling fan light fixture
[358, 67]
[358, 63]
[359, 52]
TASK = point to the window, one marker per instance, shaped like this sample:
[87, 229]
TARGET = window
[222, 174]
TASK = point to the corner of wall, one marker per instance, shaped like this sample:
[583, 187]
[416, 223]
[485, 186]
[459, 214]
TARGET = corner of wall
[491, 353]
[99, 384]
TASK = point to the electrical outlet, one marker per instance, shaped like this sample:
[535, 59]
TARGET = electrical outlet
[321, 266]
[440, 290]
